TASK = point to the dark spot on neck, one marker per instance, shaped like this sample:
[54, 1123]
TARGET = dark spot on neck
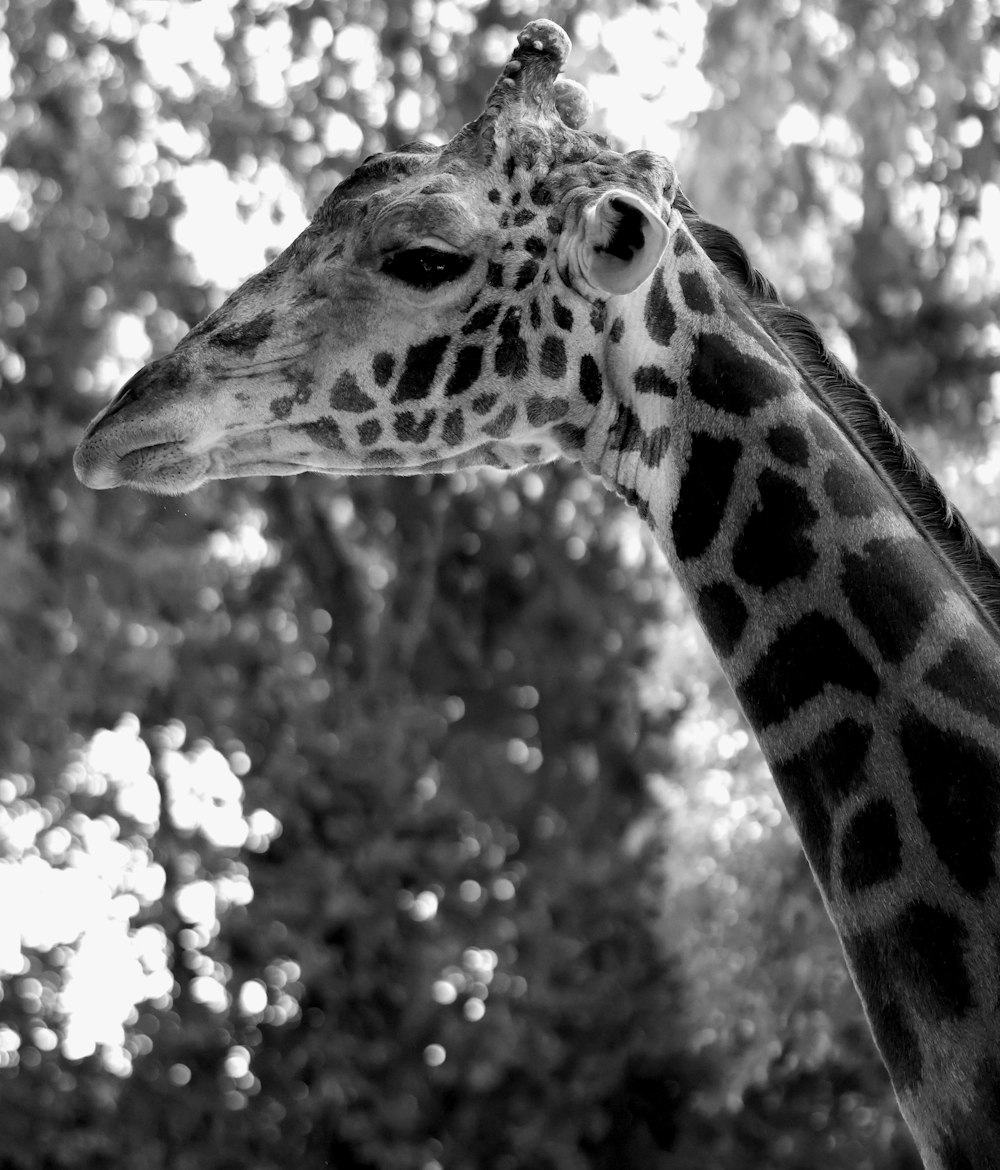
[961, 815]
[696, 293]
[849, 493]
[660, 318]
[773, 545]
[723, 615]
[789, 444]
[704, 492]
[732, 379]
[806, 657]
[870, 849]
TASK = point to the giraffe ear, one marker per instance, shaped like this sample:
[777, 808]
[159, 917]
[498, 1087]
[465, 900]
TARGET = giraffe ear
[620, 242]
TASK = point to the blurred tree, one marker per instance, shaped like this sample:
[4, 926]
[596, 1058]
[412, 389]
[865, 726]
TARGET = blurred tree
[442, 923]
[860, 144]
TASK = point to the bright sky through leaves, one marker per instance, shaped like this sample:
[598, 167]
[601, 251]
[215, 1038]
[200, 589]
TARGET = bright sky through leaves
[80, 890]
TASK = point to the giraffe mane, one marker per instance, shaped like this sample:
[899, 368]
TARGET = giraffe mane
[858, 413]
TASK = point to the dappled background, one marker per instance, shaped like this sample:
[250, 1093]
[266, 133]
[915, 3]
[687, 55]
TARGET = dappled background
[409, 825]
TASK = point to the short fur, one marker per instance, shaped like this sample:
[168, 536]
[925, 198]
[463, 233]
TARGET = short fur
[853, 407]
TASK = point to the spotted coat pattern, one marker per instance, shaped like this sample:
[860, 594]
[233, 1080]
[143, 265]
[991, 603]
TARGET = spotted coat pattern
[861, 651]
[868, 673]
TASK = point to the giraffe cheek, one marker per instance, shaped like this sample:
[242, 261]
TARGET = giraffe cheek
[453, 431]
[413, 426]
[546, 410]
[369, 432]
[468, 366]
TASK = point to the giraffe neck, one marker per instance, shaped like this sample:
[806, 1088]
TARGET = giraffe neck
[865, 661]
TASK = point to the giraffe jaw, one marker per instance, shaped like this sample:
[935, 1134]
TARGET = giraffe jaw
[172, 469]
[119, 459]
[119, 450]
[166, 469]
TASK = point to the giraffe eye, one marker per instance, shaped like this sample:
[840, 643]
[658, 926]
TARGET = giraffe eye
[426, 267]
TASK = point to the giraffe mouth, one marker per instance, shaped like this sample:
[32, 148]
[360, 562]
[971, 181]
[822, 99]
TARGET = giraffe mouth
[165, 468]
[181, 465]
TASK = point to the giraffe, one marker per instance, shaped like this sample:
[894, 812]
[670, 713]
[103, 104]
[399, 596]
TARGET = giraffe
[524, 293]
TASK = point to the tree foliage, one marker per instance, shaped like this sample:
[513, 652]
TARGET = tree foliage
[415, 814]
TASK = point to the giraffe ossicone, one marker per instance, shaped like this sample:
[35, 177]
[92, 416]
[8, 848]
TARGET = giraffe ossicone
[526, 292]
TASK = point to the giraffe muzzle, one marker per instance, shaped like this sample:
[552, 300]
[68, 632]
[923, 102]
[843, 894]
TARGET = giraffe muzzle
[136, 441]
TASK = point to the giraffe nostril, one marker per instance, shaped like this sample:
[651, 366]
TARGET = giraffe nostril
[130, 392]
[156, 377]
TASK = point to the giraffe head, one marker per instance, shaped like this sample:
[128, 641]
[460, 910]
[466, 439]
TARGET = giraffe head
[445, 308]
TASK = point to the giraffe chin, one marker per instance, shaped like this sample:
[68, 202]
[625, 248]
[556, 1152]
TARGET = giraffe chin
[166, 469]
[175, 473]
[163, 468]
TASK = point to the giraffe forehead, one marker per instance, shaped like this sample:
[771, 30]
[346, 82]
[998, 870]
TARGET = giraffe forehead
[402, 195]
[380, 170]
[421, 189]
